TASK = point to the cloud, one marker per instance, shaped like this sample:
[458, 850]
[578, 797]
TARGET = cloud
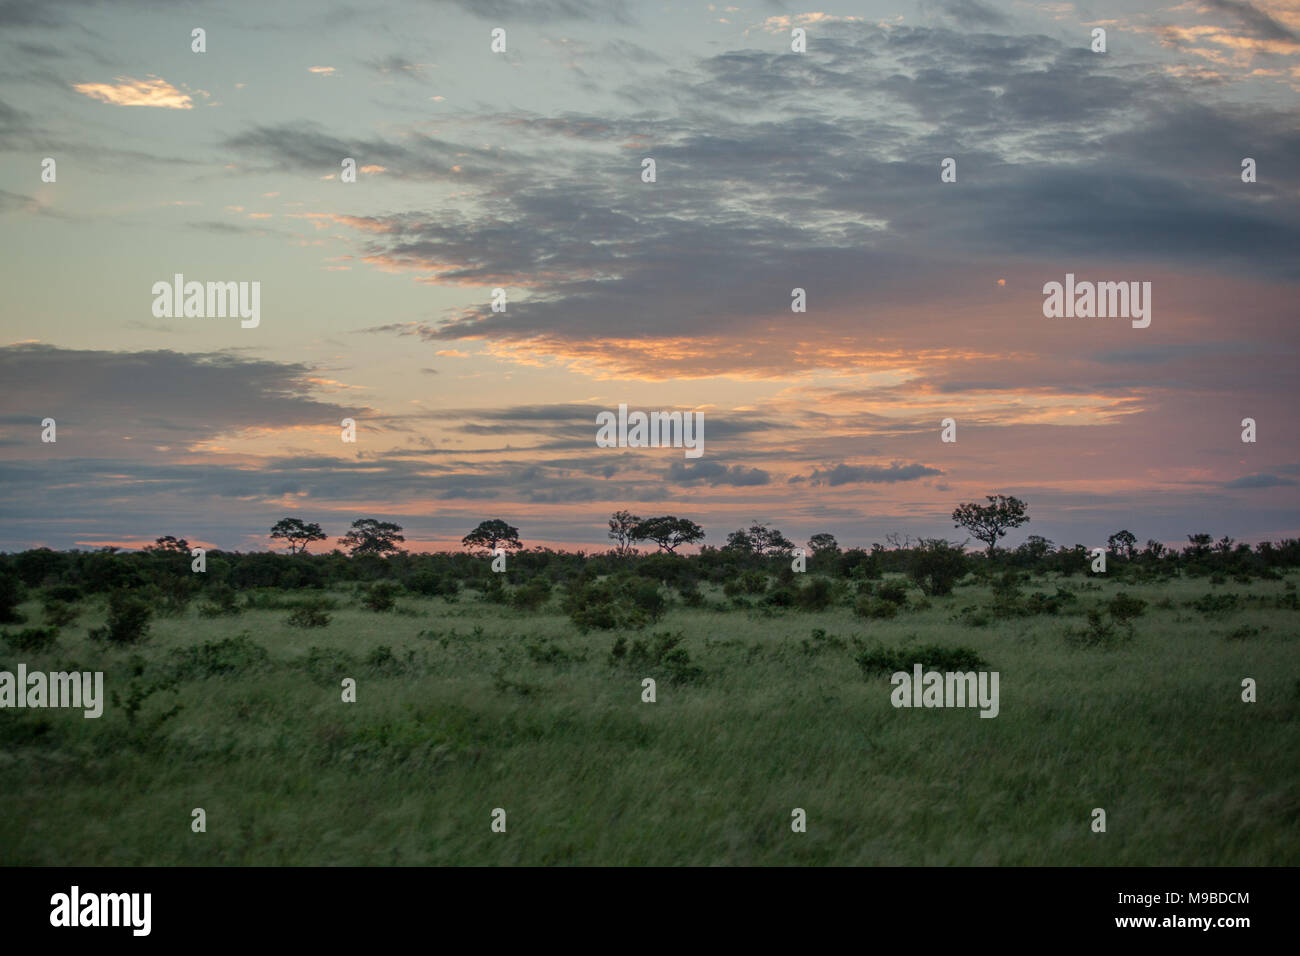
[546, 11]
[1256, 21]
[1259, 481]
[131, 92]
[162, 396]
[716, 474]
[967, 11]
[870, 474]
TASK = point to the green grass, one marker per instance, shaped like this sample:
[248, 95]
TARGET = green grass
[499, 708]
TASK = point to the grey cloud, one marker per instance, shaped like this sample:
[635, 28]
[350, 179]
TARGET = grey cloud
[871, 474]
[1259, 481]
[716, 474]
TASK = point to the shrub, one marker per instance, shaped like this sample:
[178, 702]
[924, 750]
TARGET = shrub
[1099, 633]
[309, 615]
[1242, 633]
[1124, 608]
[821, 641]
[328, 665]
[11, 595]
[128, 620]
[780, 597]
[532, 595]
[231, 655]
[1215, 604]
[432, 584]
[887, 660]
[814, 596]
[748, 582]
[32, 639]
[613, 603]
[936, 566]
[874, 608]
[381, 597]
[661, 657]
[58, 614]
[380, 656]
[1040, 603]
[893, 592]
[222, 600]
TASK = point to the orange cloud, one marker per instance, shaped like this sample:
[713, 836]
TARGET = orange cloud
[131, 92]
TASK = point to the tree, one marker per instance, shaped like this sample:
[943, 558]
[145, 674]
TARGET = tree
[823, 542]
[167, 543]
[936, 565]
[621, 526]
[298, 533]
[369, 536]
[1035, 549]
[493, 534]
[669, 532]
[759, 539]
[1199, 545]
[990, 522]
[1122, 544]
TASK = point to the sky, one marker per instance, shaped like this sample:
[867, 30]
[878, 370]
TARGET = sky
[522, 170]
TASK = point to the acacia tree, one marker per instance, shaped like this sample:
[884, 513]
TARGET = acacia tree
[298, 533]
[369, 536]
[823, 542]
[169, 543]
[990, 522]
[493, 534]
[622, 525]
[759, 539]
[669, 532]
[1122, 544]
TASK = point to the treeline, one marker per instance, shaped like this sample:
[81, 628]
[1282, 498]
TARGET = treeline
[168, 565]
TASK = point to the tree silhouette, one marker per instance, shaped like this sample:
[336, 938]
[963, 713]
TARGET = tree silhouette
[990, 522]
[490, 535]
[622, 525]
[369, 536]
[298, 533]
[669, 532]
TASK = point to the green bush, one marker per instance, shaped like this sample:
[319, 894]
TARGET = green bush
[816, 595]
[231, 655]
[31, 639]
[1099, 633]
[328, 665]
[615, 602]
[380, 597]
[222, 600]
[1215, 604]
[58, 614]
[662, 657]
[891, 660]
[1124, 608]
[874, 608]
[128, 620]
[432, 584]
[11, 595]
[532, 595]
[309, 615]
[936, 566]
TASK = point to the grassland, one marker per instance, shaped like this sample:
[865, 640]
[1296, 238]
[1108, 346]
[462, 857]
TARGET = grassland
[474, 706]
